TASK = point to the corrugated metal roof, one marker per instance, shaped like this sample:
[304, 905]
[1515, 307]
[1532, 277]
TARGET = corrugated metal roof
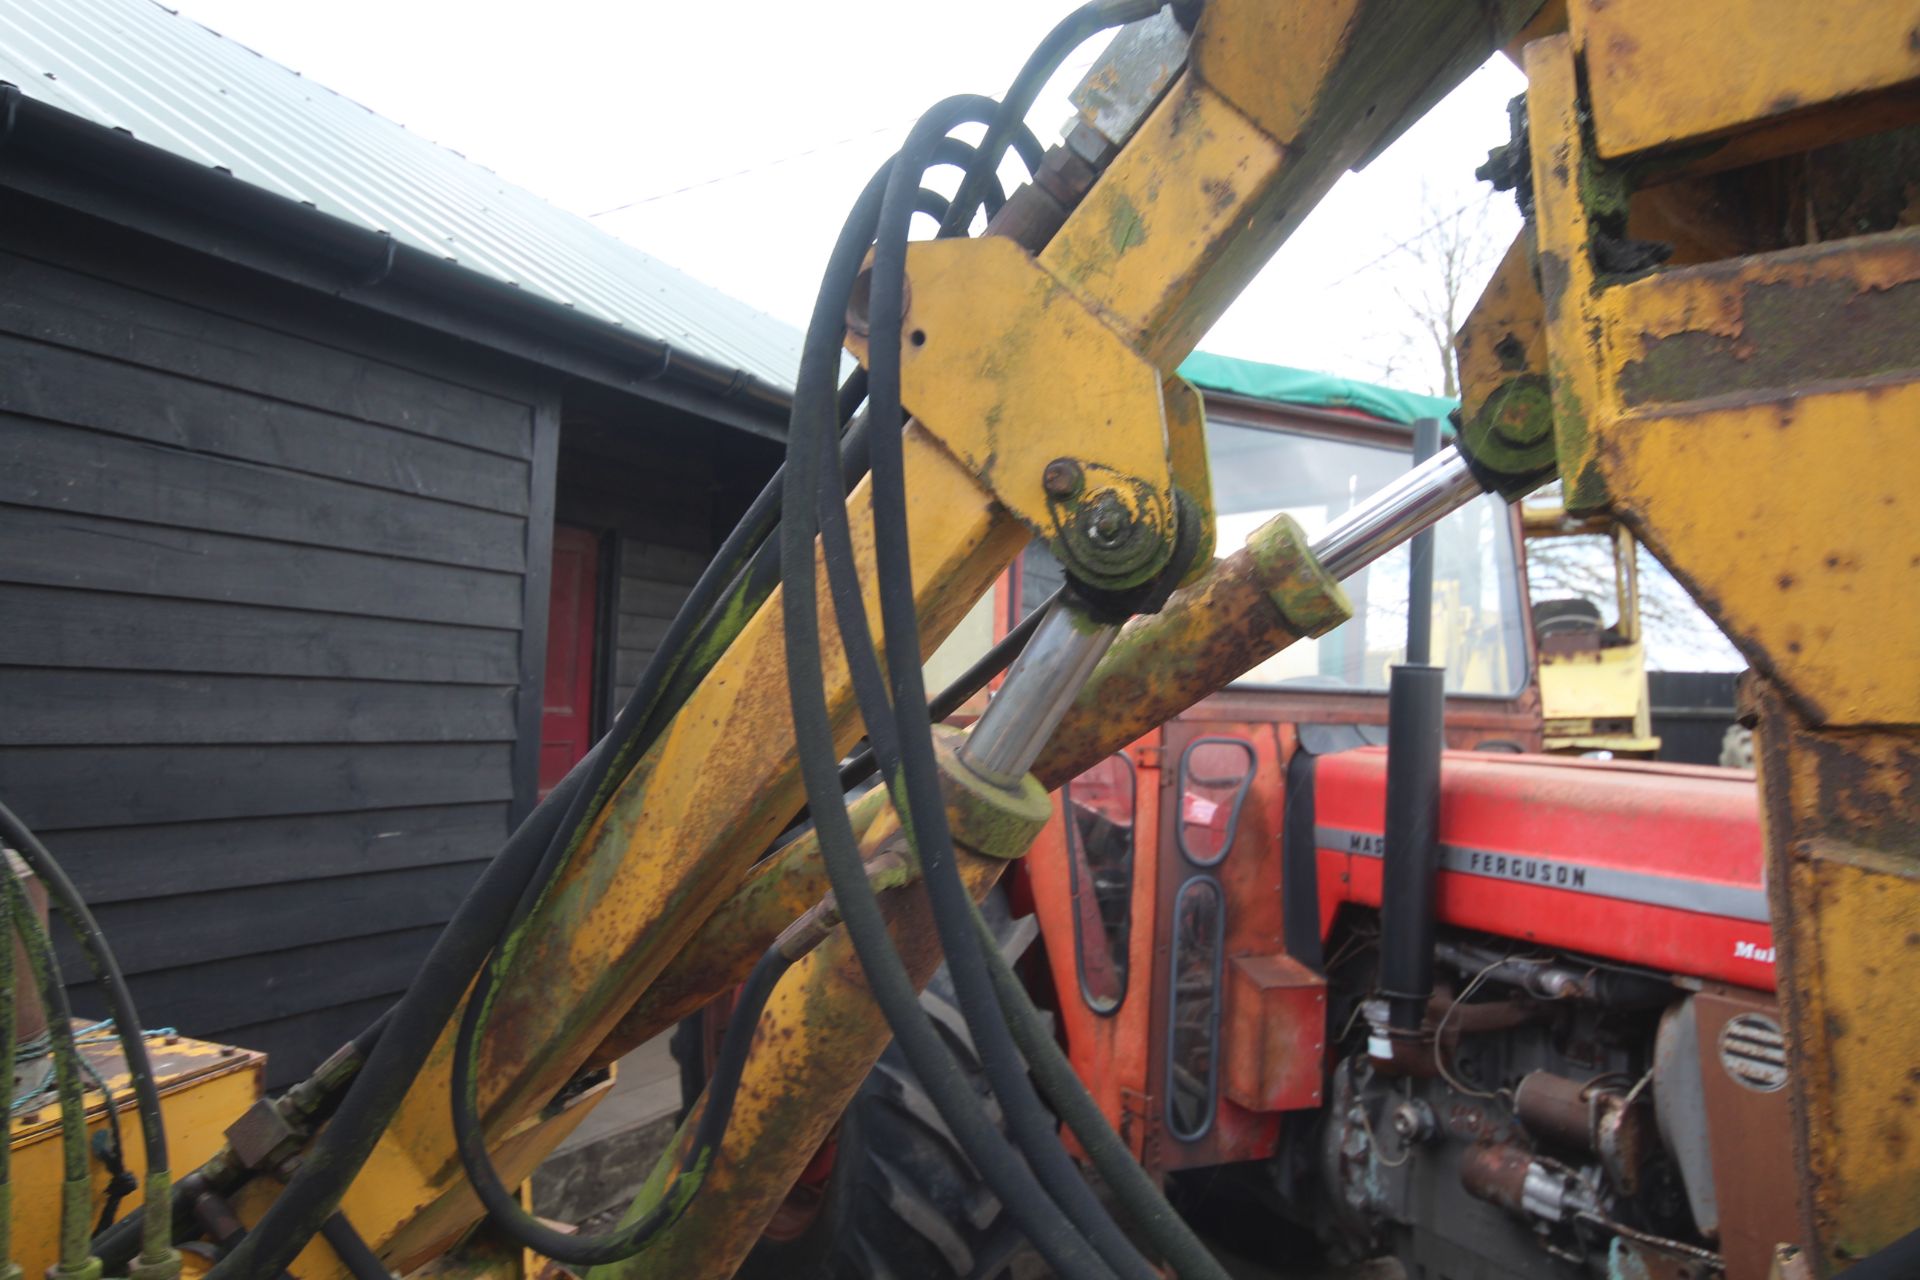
[170, 82]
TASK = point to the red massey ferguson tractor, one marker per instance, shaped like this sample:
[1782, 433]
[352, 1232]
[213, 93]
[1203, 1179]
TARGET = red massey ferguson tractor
[1562, 1056]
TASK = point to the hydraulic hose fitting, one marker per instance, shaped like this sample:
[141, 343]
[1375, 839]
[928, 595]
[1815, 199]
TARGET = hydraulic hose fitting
[166, 1266]
[886, 870]
[992, 816]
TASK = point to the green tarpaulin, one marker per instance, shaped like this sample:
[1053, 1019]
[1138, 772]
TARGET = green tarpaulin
[1318, 390]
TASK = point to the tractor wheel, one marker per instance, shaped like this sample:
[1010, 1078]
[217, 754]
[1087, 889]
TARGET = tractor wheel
[890, 1196]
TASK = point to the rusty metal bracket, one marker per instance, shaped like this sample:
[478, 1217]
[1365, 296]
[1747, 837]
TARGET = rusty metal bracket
[1016, 374]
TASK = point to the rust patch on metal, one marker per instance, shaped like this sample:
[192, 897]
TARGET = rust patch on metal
[1792, 336]
[1497, 1174]
[1243, 611]
[1863, 788]
[1842, 312]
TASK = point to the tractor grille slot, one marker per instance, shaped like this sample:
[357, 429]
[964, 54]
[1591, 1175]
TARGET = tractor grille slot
[1753, 1050]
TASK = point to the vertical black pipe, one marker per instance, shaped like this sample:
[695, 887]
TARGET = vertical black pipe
[1416, 710]
[1426, 443]
[1416, 715]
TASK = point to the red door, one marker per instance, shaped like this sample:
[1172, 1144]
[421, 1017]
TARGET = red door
[566, 713]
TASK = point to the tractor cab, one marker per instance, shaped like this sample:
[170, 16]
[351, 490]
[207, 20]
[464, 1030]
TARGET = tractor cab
[1312, 446]
[1210, 898]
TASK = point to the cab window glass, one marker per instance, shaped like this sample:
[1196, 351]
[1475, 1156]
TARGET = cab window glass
[1477, 613]
[1215, 774]
[1193, 1045]
[1099, 811]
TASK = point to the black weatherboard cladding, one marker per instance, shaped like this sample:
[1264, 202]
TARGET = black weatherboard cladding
[269, 627]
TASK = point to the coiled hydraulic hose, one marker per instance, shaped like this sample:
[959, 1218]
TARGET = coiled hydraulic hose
[76, 1191]
[156, 1245]
[1067, 1250]
[892, 988]
[504, 1210]
[914, 777]
[915, 786]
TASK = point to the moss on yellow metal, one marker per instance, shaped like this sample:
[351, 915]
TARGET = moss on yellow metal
[1010, 371]
[1751, 418]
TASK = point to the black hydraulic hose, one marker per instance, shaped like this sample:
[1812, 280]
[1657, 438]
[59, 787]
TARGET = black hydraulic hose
[917, 789]
[1164, 1228]
[587, 1251]
[76, 1194]
[312, 1195]
[370, 1034]
[126, 1021]
[931, 203]
[861, 765]
[120, 1241]
[397, 1044]
[893, 990]
[361, 1262]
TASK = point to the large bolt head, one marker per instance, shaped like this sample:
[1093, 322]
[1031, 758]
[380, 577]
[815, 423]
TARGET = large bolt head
[1106, 523]
[1413, 1121]
[1062, 478]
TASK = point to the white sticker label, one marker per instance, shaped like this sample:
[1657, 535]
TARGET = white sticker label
[1199, 810]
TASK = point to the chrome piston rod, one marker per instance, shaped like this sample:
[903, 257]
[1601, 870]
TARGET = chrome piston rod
[1040, 687]
[1420, 498]
[1066, 647]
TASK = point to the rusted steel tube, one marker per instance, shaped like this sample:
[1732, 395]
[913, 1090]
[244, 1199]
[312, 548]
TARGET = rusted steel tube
[1556, 1109]
[1498, 1175]
[822, 1027]
[1245, 609]
[726, 946]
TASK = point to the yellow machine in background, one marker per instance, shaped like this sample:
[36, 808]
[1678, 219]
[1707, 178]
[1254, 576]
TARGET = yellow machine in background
[1593, 673]
[202, 1086]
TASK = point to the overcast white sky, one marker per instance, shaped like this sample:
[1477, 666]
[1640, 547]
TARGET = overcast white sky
[728, 137]
[736, 132]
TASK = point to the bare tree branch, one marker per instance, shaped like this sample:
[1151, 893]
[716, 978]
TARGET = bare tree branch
[1450, 256]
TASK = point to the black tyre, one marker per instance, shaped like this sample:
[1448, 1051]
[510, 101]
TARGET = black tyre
[891, 1196]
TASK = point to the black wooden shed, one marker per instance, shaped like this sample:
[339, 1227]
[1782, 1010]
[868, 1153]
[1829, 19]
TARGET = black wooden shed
[341, 485]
